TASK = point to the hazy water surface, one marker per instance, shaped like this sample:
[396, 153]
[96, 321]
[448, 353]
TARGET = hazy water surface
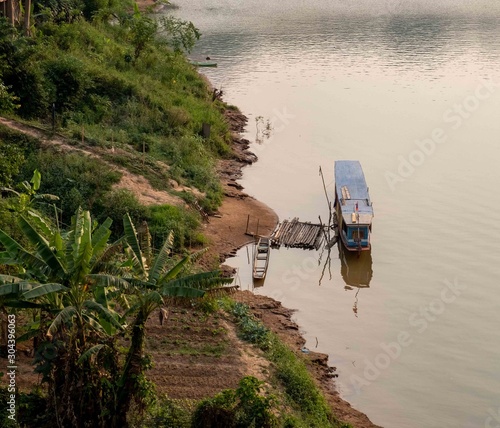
[411, 89]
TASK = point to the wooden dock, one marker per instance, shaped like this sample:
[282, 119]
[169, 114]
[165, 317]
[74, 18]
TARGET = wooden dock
[296, 234]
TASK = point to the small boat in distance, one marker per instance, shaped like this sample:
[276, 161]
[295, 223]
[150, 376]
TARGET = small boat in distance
[261, 258]
[353, 206]
[207, 63]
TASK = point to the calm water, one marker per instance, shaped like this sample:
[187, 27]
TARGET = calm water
[412, 90]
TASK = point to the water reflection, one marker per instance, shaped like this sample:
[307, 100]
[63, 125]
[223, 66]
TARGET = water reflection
[355, 268]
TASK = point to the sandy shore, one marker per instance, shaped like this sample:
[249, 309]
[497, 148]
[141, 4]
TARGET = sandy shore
[240, 215]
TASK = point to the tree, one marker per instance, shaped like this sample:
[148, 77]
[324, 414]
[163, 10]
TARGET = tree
[54, 275]
[27, 17]
[74, 278]
[13, 12]
[142, 31]
[152, 282]
[180, 35]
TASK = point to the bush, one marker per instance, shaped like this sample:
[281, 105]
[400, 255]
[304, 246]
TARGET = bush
[241, 408]
[163, 219]
[31, 410]
[11, 159]
[8, 101]
[77, 180]
[31, 89]
[69, 80]
[166, 413]
[116, 204]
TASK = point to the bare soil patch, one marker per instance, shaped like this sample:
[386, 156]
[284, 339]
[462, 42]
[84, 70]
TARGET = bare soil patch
[197, 355]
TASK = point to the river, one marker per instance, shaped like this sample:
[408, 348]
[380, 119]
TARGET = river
[412, 90]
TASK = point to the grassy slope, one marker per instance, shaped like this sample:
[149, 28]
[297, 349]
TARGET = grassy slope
[148, 111]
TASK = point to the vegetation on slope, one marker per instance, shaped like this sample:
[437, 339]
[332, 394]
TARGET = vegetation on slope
[120, 83]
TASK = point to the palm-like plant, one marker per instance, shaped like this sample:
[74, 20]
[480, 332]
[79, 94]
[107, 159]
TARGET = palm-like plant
[153, 280]
[55, 275]
[69, 278]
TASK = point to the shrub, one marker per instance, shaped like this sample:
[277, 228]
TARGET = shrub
[241, 408]
[31, 410]
[34, 96]
[118, 202]
[69, 80]
[11, 159]
[166, 413]
[77, 180]
[8, 101]
[163, 219]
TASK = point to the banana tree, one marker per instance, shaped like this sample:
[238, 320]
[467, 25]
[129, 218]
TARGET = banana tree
[152, 281]
[55, 273]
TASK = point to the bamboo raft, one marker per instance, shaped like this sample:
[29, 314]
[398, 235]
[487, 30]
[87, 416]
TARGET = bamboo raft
[296, 234]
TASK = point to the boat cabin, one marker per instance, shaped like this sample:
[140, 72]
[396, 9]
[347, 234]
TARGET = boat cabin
[353, 206]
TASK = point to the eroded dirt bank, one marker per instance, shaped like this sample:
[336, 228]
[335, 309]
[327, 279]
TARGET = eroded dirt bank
[226, 232]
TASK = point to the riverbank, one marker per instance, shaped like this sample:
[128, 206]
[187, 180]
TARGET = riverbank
[240, 215]
[226, 232]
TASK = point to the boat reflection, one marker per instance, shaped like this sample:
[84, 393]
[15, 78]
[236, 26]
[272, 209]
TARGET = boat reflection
[257, 283]
[356, 270]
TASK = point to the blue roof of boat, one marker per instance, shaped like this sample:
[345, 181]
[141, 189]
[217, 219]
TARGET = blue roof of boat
[349, 176]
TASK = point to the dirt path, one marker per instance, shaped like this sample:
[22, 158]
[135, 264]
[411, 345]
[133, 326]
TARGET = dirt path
[137, 184]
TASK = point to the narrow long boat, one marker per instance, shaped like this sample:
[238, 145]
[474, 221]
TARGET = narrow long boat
[353, 206]
[261, 258]
[207, 63]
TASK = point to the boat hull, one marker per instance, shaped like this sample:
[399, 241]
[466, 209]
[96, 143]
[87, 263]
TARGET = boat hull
[261, 258]
[203, 63]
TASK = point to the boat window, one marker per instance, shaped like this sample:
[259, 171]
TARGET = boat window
[358, 234]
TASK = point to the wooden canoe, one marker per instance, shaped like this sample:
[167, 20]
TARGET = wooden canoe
[261, 258]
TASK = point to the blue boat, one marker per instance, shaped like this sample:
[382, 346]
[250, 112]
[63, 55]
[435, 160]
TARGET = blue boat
[353, 206]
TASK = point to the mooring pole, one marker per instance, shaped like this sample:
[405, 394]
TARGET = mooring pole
[324, 186]
[53, 117]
